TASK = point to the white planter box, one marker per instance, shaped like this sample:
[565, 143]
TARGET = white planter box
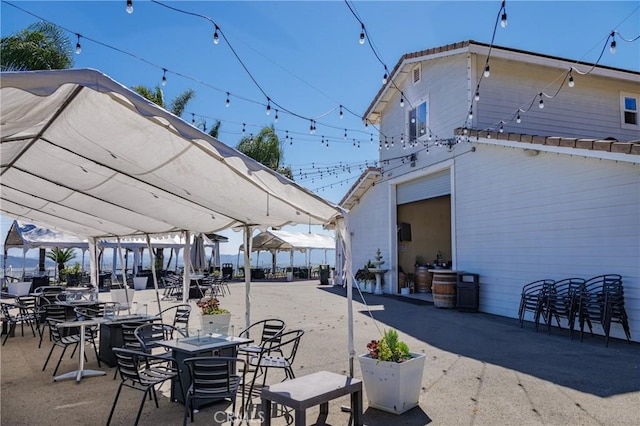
[140, 283]
[19, 288]
[289, 276]
[118, 295]
[391, 386]
[217, 323]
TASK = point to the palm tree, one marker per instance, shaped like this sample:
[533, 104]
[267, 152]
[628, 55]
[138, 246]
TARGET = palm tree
[61, 256]
[155, 95]
[266, 149]
[40, 46]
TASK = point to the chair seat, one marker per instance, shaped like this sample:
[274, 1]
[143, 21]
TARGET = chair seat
[250, 348]
[270, 361]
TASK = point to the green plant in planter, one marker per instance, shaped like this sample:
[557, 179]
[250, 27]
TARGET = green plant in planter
[389, 348]
[211, 307]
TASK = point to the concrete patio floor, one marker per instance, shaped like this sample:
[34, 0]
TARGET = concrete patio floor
[481, 369]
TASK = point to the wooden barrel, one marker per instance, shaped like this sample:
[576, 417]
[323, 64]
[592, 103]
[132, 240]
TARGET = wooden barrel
[444, 288]
[422, 280]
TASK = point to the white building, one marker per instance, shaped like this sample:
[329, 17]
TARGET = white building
[496, 184]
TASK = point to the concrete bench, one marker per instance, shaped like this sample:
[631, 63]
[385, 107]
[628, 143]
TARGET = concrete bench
[308, 391]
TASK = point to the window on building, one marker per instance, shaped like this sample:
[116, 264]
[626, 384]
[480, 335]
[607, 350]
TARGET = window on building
[418, 122]
[629, 110]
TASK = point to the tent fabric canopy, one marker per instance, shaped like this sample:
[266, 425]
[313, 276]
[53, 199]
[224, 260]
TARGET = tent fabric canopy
[29, 236]
[81, 153]
[274, 241]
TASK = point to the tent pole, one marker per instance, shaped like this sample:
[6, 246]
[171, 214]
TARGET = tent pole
[186, 260]
[247, 273]
[153, 272]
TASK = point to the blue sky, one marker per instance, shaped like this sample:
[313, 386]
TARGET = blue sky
[306, 57]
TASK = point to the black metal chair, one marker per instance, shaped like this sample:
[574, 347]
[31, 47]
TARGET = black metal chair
[265, 360]
[14, 314]
[63, 342]
[139, 371]
[268, 330]
[214, 378]
[179, 317]
[53, 311]
[149, 334]
[532, 299]
[559, 301]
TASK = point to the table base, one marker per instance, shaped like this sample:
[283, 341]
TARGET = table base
[78, 375]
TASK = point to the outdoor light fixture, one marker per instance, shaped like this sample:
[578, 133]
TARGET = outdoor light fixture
[401, 100]
[243, 128]
[477, 98]
[78, 47]
[541, 103]
[612, 47]
[501, 129]
[276, 117]
[571, 82]
[129, 6]
[227, 101]
[471, 113]
[164, 76]
[362, 35]
[268, 106]
[345, 134]
[487, 71]
[341, 114]
[216, 39]
[384, 78]
[518, 119]
[503, 21]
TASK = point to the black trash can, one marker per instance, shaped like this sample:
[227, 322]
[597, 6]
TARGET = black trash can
[324, 274]
[468, 289]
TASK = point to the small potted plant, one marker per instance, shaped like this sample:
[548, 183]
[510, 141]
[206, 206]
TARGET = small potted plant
[392, 374]
[365, 277]
[214, 318]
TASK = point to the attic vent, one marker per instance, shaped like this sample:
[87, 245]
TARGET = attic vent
[417, 72]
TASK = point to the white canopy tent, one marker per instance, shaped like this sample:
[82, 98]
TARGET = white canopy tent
[82, 154]
[275, 241]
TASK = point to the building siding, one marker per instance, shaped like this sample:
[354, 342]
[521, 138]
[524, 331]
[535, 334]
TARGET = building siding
[520, 219]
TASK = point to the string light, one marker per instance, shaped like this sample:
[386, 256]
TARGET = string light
[503, 20]
[276, 117]
[518, 119]
[571, 82]
[78, 47]
[227, 101]
[612, 47]
[501, 129]
[362, 35]
[541, 103]
[193, 118]
[385, 76]
[243, 128]
[487, 71]
[401, 100]
[471, 113]
[268, 106]
[164, 76]
[341, 114]
[345, 134]
[129, 7]
[216, 39]
[477, 97]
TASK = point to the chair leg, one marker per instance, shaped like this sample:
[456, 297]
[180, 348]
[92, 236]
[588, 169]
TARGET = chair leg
[144, 397]
[114, 404]
[49, 356]
[59, 360]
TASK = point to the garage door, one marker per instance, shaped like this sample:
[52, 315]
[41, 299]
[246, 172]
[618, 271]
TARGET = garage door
[431, 186]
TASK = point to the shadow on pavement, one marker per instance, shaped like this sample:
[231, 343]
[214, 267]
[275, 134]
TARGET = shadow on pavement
[586, 366]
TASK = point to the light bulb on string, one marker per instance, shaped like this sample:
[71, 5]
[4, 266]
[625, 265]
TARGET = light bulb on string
[193, 119]
[471, 113]
[78, 47]
[345, 134]
[341, 114]
[501, 129]
[503, 20]
[401, 100]
[477, 97]
[571, 83]
[541, 103]
[268, 106]
[244, 126]
[612, 47]
[216, 38]
[518, 119]
[276, 117]
[129, 7]
[227, 102]
[385, 76]
[164, 76]
[487, 71]
[362, 34]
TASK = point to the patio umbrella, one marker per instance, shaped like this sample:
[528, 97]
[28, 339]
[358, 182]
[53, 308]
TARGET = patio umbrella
[198, 256]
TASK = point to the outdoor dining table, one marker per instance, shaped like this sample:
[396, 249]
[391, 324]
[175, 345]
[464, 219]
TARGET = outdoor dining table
[81, 372]
[200, 345]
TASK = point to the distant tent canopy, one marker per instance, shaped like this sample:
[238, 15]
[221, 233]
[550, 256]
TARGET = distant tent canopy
[273, 241]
